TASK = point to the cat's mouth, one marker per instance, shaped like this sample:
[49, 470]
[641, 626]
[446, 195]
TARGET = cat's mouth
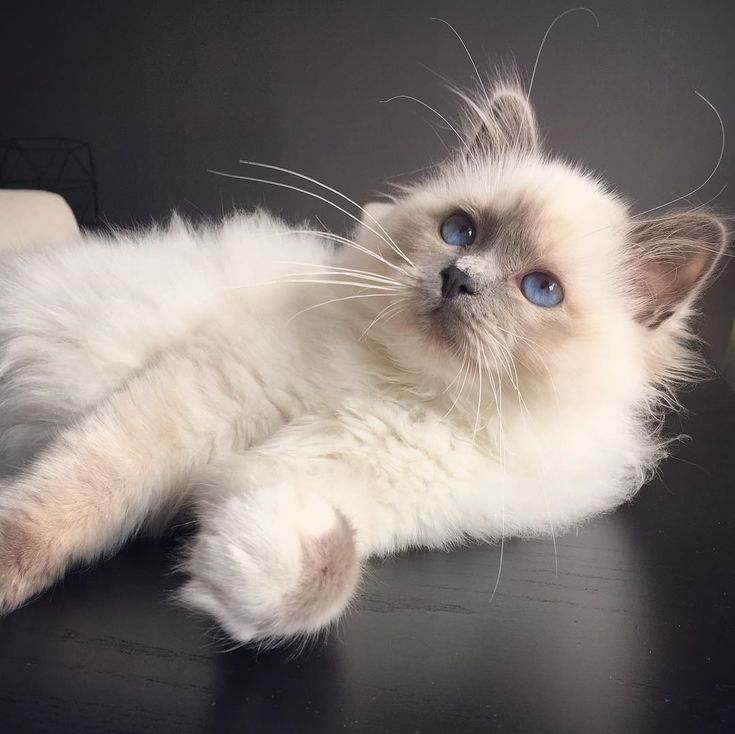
[448, 322]
[454, 309]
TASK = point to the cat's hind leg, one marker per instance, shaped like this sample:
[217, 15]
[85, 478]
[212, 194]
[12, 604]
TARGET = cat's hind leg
[123, 466]
[271, 563]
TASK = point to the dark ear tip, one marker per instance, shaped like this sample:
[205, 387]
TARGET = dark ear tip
[507, 123]
[512, 96]
[510, 89]
[716, 235]
[726, 231]
[703, 228]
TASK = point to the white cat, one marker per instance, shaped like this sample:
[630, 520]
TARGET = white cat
[488, 357]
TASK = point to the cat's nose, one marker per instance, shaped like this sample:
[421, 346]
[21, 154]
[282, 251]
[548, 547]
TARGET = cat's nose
[456, 282]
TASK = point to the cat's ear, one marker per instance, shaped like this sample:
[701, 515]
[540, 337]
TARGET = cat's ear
[508, 124]
[673, 258]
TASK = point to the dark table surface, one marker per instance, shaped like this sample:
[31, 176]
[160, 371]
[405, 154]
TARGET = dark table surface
[634, 633]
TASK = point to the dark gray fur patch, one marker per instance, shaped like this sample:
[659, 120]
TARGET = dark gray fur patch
[512, 236]
[508, 125]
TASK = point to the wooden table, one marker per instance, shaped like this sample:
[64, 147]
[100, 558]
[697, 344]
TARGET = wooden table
[633, 634]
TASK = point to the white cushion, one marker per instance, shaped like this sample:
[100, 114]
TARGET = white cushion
[31, 217]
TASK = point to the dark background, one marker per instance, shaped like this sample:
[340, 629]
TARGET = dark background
[164, 90]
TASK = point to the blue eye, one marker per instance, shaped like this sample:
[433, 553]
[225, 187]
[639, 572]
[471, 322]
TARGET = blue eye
[541, 289]
[458, 230]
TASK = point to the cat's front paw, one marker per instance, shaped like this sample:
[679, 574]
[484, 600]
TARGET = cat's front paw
[271, 564]
[26, 565]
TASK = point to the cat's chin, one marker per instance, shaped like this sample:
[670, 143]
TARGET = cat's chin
[441, 342]
[447, 326]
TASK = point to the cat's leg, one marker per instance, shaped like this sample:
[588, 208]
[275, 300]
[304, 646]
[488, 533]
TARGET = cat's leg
[84, 495]
[123, 464]
[285, 527]
[271, 562]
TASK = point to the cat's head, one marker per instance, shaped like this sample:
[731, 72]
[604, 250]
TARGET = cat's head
[525, 264]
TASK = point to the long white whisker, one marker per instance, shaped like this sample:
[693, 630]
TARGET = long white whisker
[712, 173]
[551, 530]
[522, 338]
[321, 281]
[479, 394]
[394, 313]
[468, 363]
[456, 377]
[546, 35]
[501, 445]
[336, 300]
[383, 312]
[523, 406]
[413, 171]
[344, 273]
[497, 394]
[342, 240]
[495, 388]
[306, 192]
[502, 542]
[431, 109]
[280, 281]
[503, 360]
[338, 269]
[515, 382]
[538, 351]
[524, 413]
[271, 167]
[466, 50]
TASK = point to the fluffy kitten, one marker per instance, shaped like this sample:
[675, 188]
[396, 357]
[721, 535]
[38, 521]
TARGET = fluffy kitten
[487, 358]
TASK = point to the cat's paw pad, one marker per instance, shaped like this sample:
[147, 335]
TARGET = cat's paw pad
[273, 563]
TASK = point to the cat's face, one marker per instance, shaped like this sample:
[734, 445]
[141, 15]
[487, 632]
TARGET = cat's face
[515, 260]
[519, 263]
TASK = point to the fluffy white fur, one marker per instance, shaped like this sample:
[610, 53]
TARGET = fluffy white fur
[307, 427]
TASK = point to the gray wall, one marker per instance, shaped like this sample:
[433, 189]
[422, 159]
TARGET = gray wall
[164, 90]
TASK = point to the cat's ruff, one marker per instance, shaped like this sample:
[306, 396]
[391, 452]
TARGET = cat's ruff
[315, 405]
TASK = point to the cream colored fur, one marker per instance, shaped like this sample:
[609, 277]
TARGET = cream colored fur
[305, 426]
